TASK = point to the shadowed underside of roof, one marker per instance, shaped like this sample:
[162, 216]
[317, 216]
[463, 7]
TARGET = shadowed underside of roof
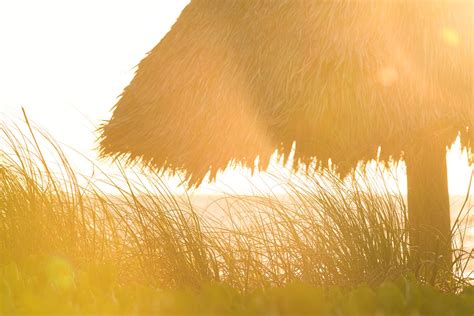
[234, 80]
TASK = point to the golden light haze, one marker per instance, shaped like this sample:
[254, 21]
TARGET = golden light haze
[66, 62]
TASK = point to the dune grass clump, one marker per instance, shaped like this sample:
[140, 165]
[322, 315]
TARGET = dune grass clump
[334, 232]
[144, 249]
[45, 212]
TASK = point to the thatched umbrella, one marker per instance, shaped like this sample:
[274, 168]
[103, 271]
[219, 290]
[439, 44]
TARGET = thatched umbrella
[234, 80]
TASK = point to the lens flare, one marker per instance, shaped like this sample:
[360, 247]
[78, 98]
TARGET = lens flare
[450, 36]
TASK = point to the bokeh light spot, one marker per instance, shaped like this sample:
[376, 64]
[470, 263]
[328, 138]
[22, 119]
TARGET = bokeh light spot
[450, 36]
[387, 76]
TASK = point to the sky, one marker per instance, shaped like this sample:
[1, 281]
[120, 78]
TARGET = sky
[66, 63]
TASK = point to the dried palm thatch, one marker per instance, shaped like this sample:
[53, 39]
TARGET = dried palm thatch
[234, 80]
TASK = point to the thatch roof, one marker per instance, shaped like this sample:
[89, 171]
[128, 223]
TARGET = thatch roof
[234, 80]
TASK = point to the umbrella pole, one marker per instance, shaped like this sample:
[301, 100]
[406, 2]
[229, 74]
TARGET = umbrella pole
[428, 211]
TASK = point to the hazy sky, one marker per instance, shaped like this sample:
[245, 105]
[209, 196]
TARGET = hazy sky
[66, 62]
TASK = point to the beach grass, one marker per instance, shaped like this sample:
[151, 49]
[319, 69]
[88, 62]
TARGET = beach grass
[330, 246]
